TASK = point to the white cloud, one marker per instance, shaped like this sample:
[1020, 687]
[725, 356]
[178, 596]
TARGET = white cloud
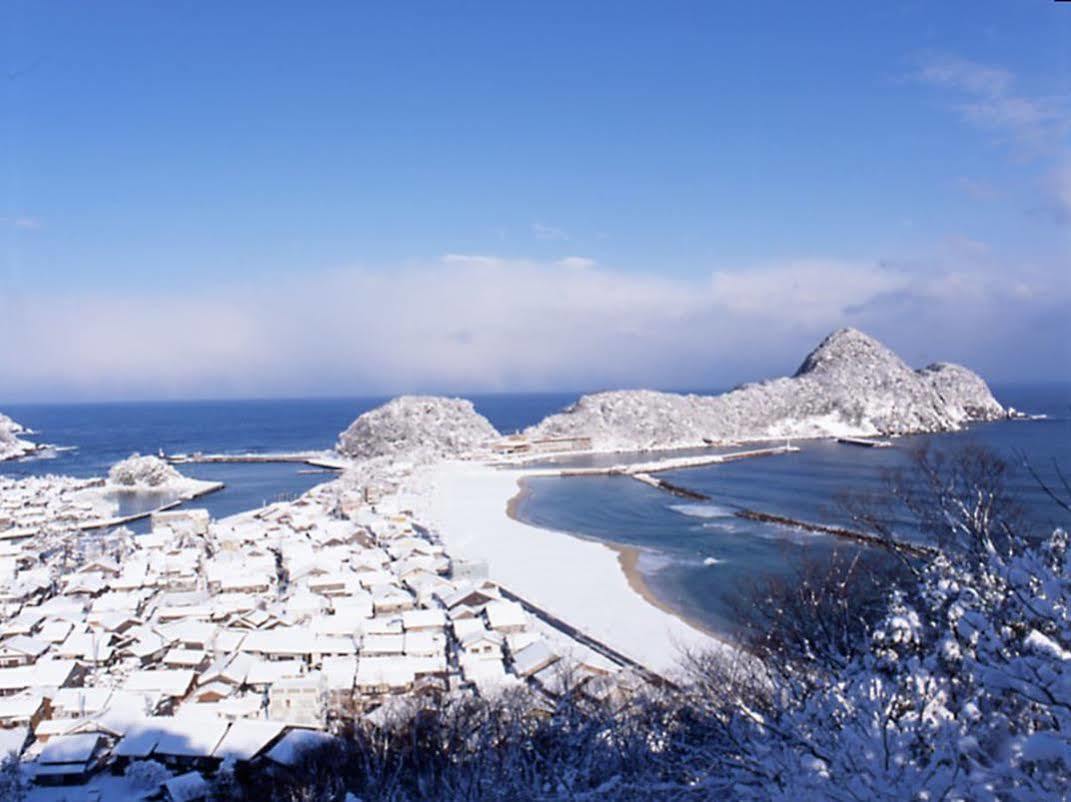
[471, 259]
[456, 326]
[989, 100]
[576, 262]
[546, 232]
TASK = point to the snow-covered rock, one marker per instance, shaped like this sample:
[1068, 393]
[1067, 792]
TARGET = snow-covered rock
[11, 445]
[850, 384]
[138, 472]
[412, 425]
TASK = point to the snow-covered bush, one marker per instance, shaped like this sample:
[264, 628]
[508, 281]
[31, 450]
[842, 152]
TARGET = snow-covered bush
[147, 775]
[138, 471]
[13, 784]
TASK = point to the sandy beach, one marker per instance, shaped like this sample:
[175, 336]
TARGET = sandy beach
[593, 586]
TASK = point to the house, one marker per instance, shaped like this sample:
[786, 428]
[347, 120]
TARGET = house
[20, 650]
[299, 700]
[388, 598]
[289, 749]
[425, 644]
[195, 659]
[384, 675]
[80, 702]
[69, 759]
[189, 741]
[45, 676]
[173, 684]
[533, 658]
[92, 648]
[340, 674]
[23, 710]
[247, 739]
[483, 645]
[182, 522]
[470, 596]
[377, 645]
[432, 620]
[506, 616]
[263, 674]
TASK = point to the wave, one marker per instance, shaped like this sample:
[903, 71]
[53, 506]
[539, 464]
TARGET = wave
[703, 510]
[712, 561]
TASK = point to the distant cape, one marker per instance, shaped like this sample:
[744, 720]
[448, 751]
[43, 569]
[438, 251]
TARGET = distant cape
[850, 385]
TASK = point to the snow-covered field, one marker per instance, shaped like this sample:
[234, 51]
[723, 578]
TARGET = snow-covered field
[577, 580]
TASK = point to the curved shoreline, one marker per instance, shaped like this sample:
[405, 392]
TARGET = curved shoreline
[628, 559]
[575, 579]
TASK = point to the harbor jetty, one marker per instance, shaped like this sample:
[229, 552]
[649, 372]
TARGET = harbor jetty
[317, 459]
[642, 471]
[865, 442]
[914, 549]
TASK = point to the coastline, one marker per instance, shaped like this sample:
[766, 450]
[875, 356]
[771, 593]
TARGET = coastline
[579, 580]
[628, 558]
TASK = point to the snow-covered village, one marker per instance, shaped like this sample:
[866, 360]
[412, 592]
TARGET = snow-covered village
[170, 663]
[535, 402]
[204, 642]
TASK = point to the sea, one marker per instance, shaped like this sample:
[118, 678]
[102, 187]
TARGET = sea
[698, 558]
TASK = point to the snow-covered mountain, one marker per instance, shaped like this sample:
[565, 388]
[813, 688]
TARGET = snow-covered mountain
[850, 384]
[11, 445]
[410, 424]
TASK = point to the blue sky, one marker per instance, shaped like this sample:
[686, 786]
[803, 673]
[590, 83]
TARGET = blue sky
[207, 200]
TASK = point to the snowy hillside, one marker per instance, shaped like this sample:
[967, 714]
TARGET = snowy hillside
[411, 425]
[849, 385]
[11, 445]
[138, 472]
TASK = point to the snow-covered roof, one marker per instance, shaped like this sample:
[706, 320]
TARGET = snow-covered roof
[246, 739]
[21, 705]
[423, 619]
[533, 657]
[505, 614]
[291, 746]
[69, 749]
[190, 736]
[174, 682]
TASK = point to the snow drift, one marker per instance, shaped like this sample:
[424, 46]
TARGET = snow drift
[850, 384]
[410, 425]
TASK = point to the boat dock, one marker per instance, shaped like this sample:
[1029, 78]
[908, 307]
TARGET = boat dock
[317, 459]
[668, 464]
[122, 520]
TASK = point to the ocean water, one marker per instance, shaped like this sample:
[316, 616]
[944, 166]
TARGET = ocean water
[698, 558]
[701, 560]
[99, 435]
